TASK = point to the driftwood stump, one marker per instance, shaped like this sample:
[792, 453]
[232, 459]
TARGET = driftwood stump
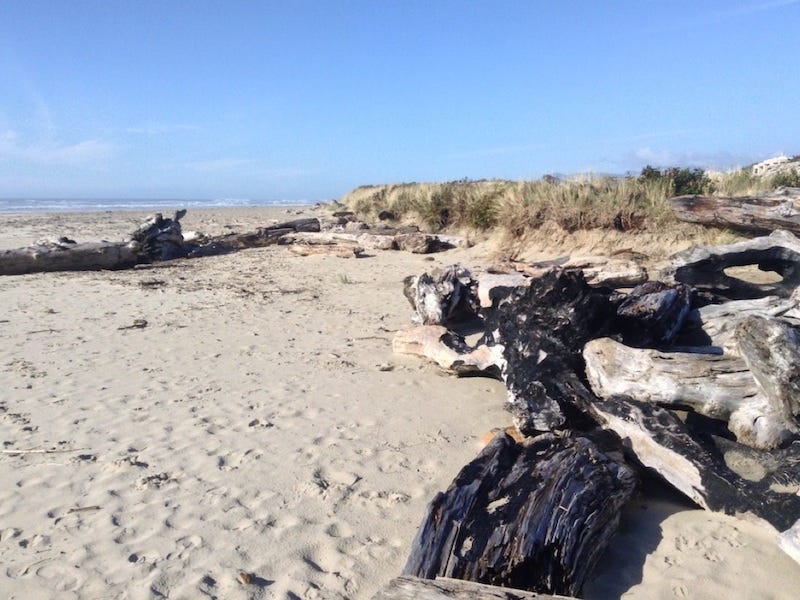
[534, 516]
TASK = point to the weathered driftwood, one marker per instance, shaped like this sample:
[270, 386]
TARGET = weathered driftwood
[263, 236]
[160, 238]
[714, 324]
[69, 257]
[704, 267]
[366, 240]
[753, 214]
[534, 516]
[444, 588]
[489, 281]
[722, 476]
[757, 394]
[338, 250]
[443, 296]
[448, 350]
[597, 270]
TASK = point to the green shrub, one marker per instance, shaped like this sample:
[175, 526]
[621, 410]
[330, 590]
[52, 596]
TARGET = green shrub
[788, 178]
[683, 180]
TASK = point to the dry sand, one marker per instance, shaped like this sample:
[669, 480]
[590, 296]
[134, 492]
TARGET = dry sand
[260, 424]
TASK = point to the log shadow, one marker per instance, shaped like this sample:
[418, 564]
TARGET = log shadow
[638, 536]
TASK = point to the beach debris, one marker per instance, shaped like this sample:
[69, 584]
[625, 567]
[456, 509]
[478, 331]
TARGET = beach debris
[442, 296]
[534, 515]
[582, 361]
[444, 588]
[760, 214]
[245, 578]
[137, 324]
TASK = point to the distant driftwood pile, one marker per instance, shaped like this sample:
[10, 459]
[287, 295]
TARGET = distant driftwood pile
[160, 239]
[695, 377]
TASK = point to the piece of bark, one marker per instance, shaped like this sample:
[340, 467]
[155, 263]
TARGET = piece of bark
[448, 350]
[69, 257]
[444, 588]
[443, 296]
[704, 267]
[716, 385]
[753, 214]
[534, 516]
[763, 487]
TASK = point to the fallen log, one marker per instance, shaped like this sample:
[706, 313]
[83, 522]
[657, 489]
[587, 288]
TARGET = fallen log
[535, 516]
[263, 236]
[338, 250]
[719, 475]
[703, 267]
[753, 214]
[69, 257]
[443, 588]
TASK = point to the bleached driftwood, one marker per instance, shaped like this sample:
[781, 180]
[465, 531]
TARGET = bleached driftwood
[757, 394]
[339, 250]
[448, 350]
[366, 240]
[535, 516]
[444, 588]
[69, 257]
[754, 214]
[714, 324]
[703, 267]
[442, 296]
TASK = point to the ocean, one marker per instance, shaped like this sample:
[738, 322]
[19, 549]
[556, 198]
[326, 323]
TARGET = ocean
[22, 205]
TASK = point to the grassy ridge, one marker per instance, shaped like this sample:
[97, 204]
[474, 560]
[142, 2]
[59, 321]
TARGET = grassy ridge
[518, 207]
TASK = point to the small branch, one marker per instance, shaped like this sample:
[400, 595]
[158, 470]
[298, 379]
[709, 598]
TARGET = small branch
[41, 451]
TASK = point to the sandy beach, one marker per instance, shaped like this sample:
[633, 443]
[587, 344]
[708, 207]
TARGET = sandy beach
[238, 427]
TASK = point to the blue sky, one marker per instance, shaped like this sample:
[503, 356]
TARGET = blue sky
[306, 100]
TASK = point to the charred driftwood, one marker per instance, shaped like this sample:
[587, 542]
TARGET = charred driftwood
[754, 214]
[444, 296]
[535, 516]
[704, 267]
[653, 313]
[719, 475]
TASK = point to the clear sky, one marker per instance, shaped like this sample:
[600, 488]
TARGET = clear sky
[306, 100]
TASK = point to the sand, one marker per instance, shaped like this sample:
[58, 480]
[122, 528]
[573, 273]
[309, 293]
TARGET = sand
[260, 424]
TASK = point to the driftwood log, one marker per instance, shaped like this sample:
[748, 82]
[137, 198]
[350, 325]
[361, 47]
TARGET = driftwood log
[721, 476]
[445, 296]
[444, 588]
[64, 256]
[534, 516]
[703, 267]
[779, 209]
[448, 350]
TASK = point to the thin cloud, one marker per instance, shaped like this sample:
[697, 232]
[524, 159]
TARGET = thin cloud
[667, 158]
[52, 152]
[162, 129]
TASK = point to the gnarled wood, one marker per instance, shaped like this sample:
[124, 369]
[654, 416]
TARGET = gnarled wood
[753, 214]
[535, 516]
[443, 296]
[448, 350]
[704, 267]
[723, 477]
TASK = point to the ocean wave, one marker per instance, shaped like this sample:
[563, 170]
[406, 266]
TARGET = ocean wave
[17, 205]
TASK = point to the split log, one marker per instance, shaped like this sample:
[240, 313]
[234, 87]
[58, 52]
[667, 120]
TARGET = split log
[69, 257]
[443, 588]
[721, 475]
[443, 296]
[448, 350]
[704, 267]
[754, 214]
[535, 516]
